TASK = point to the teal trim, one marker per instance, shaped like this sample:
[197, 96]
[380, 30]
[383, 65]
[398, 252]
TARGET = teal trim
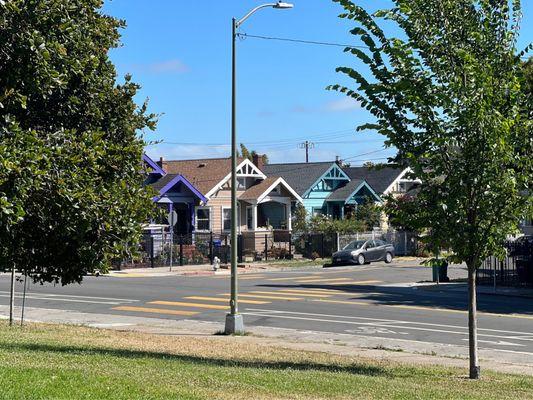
[352, 198]
[334, 167]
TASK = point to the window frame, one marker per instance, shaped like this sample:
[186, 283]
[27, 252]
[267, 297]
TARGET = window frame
[196, 219]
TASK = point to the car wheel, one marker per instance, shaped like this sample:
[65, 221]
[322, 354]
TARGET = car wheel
[360, 259]
[388, 258]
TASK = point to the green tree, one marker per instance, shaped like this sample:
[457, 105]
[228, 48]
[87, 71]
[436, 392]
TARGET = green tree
[299, 225]
[449, 97]
[71, 179]
[245, 153]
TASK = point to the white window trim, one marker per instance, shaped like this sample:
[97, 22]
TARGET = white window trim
[222, 208]
[196, 218]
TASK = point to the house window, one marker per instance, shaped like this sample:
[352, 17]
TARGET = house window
[249, 218]
[203, 219]
[226, 219]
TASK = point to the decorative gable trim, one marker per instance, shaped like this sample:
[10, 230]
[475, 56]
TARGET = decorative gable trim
[245, 169]
[282, 182]
[334, 172]
[177, 179]
[398, 178]
[155, 166]
[359, 187]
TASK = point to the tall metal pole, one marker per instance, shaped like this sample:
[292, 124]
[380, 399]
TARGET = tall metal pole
[234, 321]
[12, 296]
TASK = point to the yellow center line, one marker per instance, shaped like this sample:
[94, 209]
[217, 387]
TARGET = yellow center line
[154, 310]
[350, 283]
[290, 278]
[323, 280]
[244, 278]
[289, 292]
[194, 305]
[259, 296]
[225, 300]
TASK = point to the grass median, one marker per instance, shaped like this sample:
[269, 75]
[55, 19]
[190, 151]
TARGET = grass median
[68, 362]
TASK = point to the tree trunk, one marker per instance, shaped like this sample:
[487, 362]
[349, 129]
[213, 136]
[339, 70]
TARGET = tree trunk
[472, 323]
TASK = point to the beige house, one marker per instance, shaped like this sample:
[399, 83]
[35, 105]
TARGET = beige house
[264, 203]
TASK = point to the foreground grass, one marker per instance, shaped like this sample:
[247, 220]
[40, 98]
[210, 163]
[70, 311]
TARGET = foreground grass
[61, 362]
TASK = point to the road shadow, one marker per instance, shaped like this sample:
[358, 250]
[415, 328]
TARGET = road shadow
[433, 297]
[352, 368]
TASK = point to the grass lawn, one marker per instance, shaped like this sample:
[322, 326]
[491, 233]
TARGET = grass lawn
[62, 362]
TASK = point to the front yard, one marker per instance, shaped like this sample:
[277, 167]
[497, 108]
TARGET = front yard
[66, 362]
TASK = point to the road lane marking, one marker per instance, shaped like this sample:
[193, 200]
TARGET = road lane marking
[514, 335]
[249, 278]
[500, 343]
[349, 283]
[155, 310]
[274, 315]
[297, 293]
[309, 280]
[226, 300]
[260, 296]
[32, 297]
[409, 307]
[290, 278]
[339, 292]
[192, 305]
[74, 296]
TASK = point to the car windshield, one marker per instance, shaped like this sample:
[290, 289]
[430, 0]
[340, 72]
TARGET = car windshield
[355, 245]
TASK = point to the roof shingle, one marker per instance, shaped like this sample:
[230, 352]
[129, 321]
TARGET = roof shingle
[300, 176]
[379, 178]
[204, 174]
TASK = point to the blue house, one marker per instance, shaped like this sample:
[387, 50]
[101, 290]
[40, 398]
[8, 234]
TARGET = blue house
[324, 187]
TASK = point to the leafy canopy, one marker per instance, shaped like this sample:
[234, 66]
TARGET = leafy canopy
[71, 195]
[450, 96]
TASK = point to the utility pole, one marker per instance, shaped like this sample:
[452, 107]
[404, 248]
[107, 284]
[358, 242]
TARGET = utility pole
[307, 145]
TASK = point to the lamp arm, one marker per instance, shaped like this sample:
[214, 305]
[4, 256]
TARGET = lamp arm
[241, 21]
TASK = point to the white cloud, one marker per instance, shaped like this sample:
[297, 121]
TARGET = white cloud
[187, 152]
[341, 105]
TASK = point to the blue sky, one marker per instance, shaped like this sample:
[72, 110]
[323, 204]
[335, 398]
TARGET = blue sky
[179, 51]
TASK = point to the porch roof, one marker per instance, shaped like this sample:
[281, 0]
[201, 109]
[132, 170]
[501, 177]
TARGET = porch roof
[263, 188]
[346, 192]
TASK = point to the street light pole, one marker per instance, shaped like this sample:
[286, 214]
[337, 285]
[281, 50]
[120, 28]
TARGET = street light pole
[234, 320]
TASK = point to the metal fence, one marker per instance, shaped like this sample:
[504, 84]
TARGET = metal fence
[515, 269]
[159, 247]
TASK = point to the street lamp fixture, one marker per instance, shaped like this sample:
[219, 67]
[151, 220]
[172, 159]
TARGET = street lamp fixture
[234, 320]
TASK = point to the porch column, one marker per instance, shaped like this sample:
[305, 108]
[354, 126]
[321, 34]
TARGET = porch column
[191, 213]
[254, 217]
[289, 216]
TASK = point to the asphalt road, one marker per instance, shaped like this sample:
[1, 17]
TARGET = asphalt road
[372, 300]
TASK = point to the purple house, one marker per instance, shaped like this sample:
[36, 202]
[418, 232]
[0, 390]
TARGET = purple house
[174, 193]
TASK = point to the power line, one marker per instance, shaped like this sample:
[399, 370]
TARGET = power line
[318, 43]
[246, 35]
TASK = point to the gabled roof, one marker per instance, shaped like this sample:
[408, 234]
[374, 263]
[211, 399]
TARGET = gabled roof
[345, 192]
[262, 189]
[167, 182]
[204, 174]
[300, 176]
[379, 178]
[156, 169]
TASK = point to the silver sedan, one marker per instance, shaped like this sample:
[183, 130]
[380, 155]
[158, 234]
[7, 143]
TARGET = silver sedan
[364, 252]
